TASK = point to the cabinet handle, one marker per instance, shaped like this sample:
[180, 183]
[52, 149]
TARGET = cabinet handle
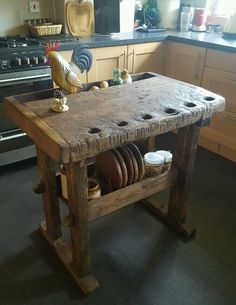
[197, 66]
[227, 116]
[133, 61]
[124, 63]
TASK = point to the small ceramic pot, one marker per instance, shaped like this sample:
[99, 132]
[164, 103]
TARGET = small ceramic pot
[94, 189]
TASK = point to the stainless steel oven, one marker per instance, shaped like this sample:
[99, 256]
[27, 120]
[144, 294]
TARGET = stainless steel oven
[14, 144]
[23, 68]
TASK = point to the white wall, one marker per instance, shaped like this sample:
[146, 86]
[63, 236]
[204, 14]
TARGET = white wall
[14, 12]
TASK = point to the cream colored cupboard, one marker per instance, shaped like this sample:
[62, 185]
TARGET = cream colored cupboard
[104, 60]
[220, 77]
[185, 62]
[147, 57]
[136, 58]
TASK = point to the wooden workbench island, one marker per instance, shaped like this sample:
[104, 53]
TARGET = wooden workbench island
[101, 120]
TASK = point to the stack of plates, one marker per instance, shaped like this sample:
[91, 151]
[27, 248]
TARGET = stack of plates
[121, 166]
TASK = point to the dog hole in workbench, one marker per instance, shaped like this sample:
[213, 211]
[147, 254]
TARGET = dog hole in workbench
[171, 111]
[189, 104]
[209, 98]
[147, 116]
[122, 123]
[94, 130]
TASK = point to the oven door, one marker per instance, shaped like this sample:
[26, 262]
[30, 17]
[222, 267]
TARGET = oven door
[14, 144]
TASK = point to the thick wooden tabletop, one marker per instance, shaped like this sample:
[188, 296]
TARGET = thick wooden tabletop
[100, 120]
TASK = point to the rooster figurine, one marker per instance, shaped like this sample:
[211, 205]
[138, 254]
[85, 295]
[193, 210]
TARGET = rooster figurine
[65, 74]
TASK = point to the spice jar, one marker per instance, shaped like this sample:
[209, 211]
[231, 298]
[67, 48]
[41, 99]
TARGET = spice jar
[153, 164]
[167, 156]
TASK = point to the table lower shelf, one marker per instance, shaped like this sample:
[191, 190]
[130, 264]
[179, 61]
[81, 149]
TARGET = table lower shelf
[116, 200]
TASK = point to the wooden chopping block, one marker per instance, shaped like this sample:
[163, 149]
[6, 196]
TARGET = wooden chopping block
[80, 18]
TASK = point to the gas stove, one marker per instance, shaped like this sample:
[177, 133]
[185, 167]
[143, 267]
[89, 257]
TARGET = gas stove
[19, 53]
[24, 53]
[18, 42]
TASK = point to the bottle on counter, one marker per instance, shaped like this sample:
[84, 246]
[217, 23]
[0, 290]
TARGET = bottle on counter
[117, 80]
[185, 19]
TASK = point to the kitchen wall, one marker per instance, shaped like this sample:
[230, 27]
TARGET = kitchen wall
[14, 12]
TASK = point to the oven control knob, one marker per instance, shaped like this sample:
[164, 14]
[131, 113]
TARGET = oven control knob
[43, 59]
[18, 61]
[35, 60]
[27, 60]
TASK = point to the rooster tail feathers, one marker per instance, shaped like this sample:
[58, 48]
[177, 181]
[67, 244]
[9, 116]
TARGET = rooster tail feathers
[82, 57]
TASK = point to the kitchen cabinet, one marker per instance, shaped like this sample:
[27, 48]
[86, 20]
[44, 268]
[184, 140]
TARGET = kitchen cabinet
[104, 60]
[185, 62]
[137, 58]
[220, 77]
[146, 57]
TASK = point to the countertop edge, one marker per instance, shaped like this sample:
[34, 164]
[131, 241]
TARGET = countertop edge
[206, 40]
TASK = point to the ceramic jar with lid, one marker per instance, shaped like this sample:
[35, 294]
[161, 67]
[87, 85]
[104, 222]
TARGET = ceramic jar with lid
[167, 156]
[153, 164]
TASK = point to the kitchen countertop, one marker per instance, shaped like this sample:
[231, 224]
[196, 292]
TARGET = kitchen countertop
[207, 40]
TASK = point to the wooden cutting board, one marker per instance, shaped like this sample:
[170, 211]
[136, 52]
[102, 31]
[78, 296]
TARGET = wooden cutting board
[80, 18]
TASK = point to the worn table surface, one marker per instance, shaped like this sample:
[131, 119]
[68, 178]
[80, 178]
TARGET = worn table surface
[100, 120]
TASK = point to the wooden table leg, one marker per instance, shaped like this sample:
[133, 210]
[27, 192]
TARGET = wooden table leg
[76, 174]
[47, 175]
[184, 158]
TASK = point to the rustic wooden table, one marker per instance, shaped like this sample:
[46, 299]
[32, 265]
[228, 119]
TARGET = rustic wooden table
[99, 121]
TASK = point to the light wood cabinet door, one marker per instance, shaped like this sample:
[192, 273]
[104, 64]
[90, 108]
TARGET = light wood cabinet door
[104, 60]
[223, 83]
[67, 55]
[185, 62]
[147, 57]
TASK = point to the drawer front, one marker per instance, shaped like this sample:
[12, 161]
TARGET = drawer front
[208, 144]
[222, 83]
[225, 123]
[222, 130]
[228, 153]
[221, 60]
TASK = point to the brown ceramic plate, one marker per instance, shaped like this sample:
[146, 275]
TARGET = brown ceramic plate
[108, 167]
[139, 160]
[128, 162]
[135, 164]
[122, 165]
